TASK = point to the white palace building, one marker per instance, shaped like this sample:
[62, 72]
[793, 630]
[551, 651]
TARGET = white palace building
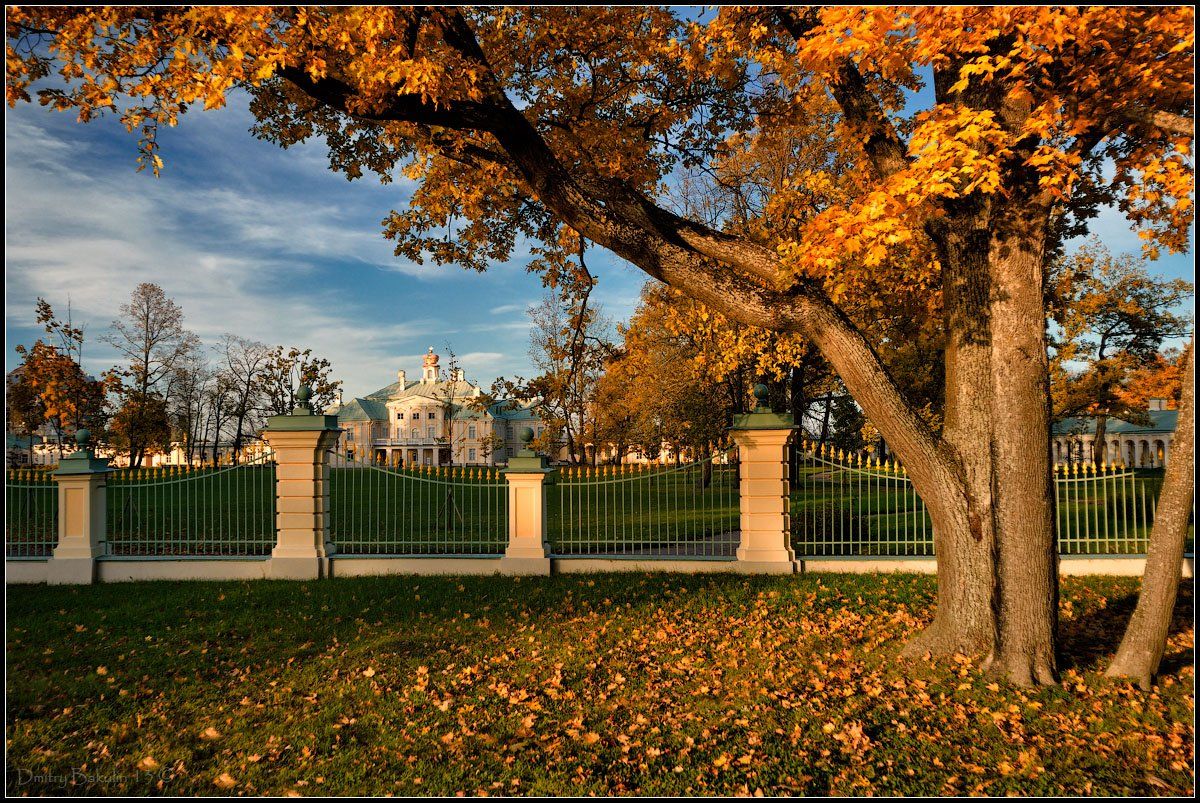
[1133, 445]
[432, 421]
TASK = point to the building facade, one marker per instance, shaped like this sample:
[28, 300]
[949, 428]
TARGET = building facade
[432, 421]
[1073, 440]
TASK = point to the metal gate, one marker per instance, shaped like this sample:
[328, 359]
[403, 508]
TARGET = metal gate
[30, 513]
[418, 511]
[193, 511]
[646, 511]
[845, 504]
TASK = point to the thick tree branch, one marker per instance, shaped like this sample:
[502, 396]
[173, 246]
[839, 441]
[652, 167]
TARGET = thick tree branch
[862, 110]
[1167, 121]
[459, 114]
[725, 272]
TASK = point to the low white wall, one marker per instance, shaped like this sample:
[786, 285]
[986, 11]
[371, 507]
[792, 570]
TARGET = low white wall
[125, 570]
[1068, 565]
[21, 572]
[367, 566]
[1077, 565]
[868, 565]
[110, 570]
[585, 565]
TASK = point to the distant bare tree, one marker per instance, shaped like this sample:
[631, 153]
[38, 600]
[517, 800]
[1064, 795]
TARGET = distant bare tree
[150, 335]
[242, 363]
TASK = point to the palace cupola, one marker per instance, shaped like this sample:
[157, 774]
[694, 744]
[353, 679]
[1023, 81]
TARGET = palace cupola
[429, 368]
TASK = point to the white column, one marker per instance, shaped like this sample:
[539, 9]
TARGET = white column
[762, 438]
[301, 443]
[82, 508]
[528, 551]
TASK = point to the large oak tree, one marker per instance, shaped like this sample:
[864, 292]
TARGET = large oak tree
[522, 122]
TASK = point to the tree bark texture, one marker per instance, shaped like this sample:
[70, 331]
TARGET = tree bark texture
[1099, 438]
[1145, 638]
[965, 619]
[1023, 492]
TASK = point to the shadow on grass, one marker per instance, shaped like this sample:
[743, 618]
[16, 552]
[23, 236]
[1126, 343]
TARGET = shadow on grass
[1094, 636]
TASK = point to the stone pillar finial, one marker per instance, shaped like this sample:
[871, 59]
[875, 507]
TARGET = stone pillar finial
[303, 401]
[761, 392]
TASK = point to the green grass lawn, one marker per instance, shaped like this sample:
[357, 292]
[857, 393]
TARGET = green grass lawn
[609, 684]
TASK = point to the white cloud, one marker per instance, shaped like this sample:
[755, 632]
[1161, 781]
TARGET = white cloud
[249, 239]
[235, 262]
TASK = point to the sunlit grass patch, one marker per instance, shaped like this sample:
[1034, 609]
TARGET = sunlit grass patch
[606, 684]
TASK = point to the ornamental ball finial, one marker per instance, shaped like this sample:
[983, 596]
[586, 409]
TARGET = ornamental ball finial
[82, 436]
[304, 394]
[526, 435]
[761, 392]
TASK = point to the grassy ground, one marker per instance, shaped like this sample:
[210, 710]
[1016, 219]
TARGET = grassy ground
[647, 684]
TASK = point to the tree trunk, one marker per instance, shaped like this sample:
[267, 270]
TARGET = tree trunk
[965, 618]
[799, 400]
[1145, 638]
[1099, 452]
[825, 418]
[1023, 493]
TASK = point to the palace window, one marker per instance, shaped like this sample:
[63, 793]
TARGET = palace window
[399, 416]
[416, 433]
[430, 431]
[471, 433]
[471, 455]
[416, 416]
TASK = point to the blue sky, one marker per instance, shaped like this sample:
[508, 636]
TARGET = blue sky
[249, 239]
[267, 244]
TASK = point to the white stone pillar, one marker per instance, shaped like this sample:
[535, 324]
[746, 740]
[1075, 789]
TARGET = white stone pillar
[762, 438]
[527, 475]
[301, 442]
[82, 511]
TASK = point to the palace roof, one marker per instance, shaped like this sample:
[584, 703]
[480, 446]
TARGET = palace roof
[373, 406]
[1161, 421]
